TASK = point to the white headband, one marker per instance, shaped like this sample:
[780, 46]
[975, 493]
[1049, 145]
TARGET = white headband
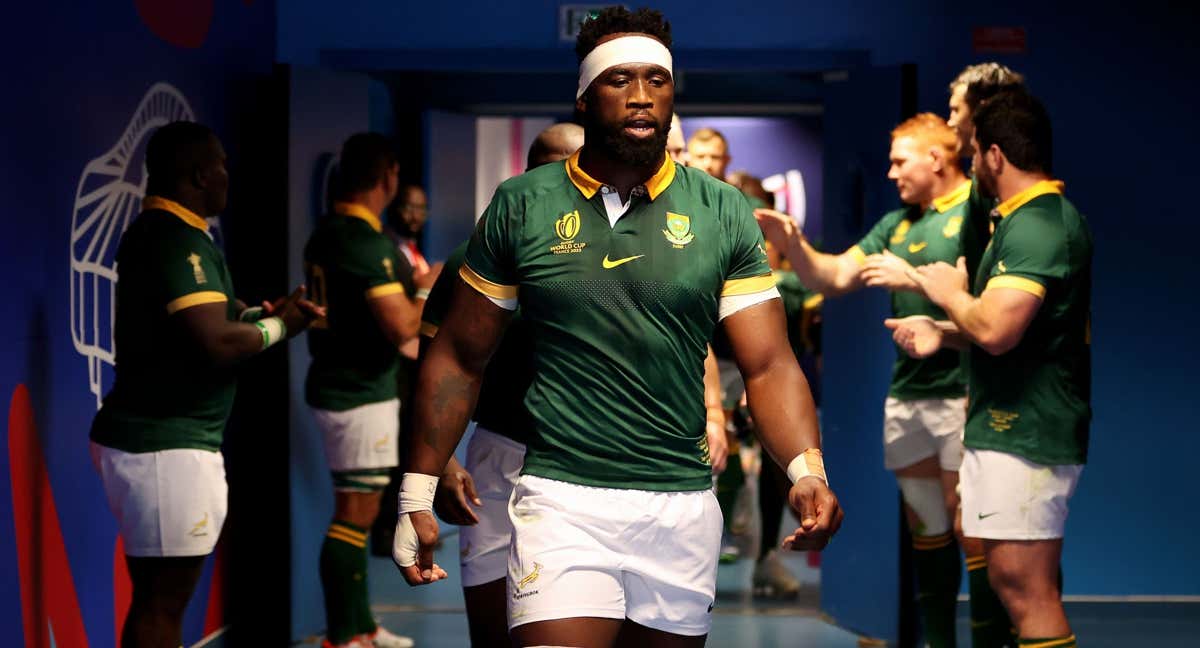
[619, 51]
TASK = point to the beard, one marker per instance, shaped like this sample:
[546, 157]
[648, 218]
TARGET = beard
[612, 139]
[987, 181]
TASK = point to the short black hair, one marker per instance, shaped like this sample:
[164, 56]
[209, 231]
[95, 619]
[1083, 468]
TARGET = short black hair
[364, 163]
[619, 20]
[175, 151]
[1019, 124]
[985, 80]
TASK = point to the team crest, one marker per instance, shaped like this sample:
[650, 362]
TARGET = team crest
[679, 230]
[901, 232]
[567, 228]
[953, 226]
[387, 266]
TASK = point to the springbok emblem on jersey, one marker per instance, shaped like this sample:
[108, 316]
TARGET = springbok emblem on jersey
[953, 226]
[679, 230]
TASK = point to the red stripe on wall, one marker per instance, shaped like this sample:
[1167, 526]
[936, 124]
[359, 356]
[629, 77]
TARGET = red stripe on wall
[516, 151]
[122, 588]
[214, 613]
[48, 600]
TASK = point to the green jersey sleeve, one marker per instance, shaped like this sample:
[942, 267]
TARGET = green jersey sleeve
[191, 273]
[373, 265]
[438, 303]
[748, 270]
[1032, 253]
[489, 265]
[876, 240]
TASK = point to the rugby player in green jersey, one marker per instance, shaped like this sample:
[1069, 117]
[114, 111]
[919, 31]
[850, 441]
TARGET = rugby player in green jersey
[351, 386]
[1026, 322]
[180, 334]
[990, 625]
[476, 496]
[622, 263]
[926, 403]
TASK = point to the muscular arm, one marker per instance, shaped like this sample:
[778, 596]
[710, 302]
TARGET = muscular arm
[996, 320]
[398, 316]
[828, 274]
[776, 390]
[223, 342]
[450, 375]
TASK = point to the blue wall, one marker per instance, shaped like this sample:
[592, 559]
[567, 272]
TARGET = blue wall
[1115, 83]
[74, 79]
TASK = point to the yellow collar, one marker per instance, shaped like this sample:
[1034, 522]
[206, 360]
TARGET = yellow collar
[955, 197]
[588, 185]
[186, 215]
[360, 211]
[1037, 189]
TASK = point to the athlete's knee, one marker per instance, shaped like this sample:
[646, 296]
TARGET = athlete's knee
[924, 497]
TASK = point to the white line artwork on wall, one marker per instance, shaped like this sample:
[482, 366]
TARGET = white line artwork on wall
[108, 196]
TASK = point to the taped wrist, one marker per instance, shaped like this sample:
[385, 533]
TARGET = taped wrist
[273, 331]
[416, 492]
[809, 463]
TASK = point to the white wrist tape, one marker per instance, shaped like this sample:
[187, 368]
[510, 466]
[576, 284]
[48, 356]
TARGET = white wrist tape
[422, 293]
[619, 51]
[272, 329]
[807, 464]
[416, 494]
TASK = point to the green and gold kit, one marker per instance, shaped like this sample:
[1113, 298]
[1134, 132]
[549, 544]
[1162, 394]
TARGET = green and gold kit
[501, 405]
[922, 238]
[348, 261]
[620, 315]
[1035, 400]
[802, 306]
[167, 394]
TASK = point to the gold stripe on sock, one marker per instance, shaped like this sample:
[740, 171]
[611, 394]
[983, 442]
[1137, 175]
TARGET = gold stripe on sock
[347, 539]
[1063, 642]
[974, 564]
[361, 535]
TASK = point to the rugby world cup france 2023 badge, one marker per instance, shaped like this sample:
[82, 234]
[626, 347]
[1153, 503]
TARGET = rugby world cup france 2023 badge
[567, 228]
[679, 230]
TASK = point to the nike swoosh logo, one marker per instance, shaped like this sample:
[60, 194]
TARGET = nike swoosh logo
[913, 248]
[609, 265]
[984, 517]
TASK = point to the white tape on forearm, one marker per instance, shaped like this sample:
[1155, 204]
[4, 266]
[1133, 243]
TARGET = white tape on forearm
[251, 314]
[416, 492]
[807, 464]
[272, 329]
[620, 51]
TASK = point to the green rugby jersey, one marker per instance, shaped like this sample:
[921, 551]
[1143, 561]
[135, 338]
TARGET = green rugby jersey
[621, 315]
[1035, 400]
[501, 406]
[920, 239]
[348, 261]
[166, 394]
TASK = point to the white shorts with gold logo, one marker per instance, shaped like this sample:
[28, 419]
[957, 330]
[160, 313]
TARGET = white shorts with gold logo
[494, 462]
[1008, 497]
[168, 503]
[918, 429]
[361, 444]
[581, 551]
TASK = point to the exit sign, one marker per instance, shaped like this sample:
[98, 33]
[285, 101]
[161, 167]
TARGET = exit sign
[570, 17]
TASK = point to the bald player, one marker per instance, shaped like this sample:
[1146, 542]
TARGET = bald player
[476, 496]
